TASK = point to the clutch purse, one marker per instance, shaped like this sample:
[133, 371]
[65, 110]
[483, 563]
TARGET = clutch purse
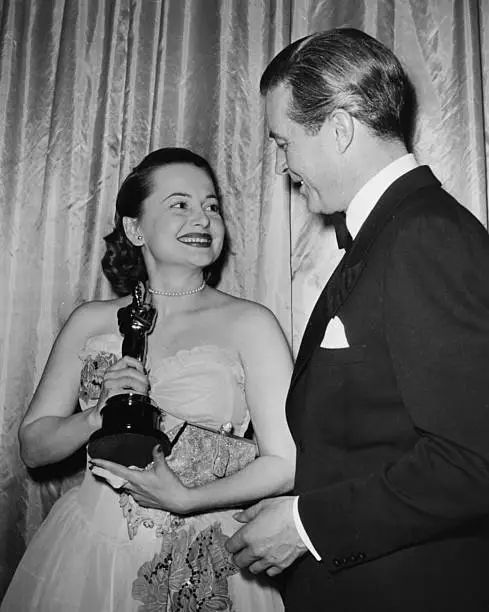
[200, 455]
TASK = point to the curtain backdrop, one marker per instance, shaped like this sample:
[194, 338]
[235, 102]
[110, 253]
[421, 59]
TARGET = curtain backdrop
[87, 88]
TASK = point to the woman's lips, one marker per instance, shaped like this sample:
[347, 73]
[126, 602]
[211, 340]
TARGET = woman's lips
[197, 240]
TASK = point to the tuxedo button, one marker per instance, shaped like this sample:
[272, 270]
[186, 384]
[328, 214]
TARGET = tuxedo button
[362, 556]
[336, 562]
[353, 558]
[344, 561]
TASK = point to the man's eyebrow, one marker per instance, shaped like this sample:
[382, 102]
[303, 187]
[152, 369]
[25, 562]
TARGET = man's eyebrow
[272, 134]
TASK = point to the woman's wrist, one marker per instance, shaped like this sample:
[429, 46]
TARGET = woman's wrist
[190, 500]
[93, 419]
[183, 501]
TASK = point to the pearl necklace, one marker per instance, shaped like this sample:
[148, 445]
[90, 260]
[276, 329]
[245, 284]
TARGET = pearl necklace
[177, 293]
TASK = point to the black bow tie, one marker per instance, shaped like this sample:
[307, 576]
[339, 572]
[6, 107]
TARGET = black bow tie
[343, 236]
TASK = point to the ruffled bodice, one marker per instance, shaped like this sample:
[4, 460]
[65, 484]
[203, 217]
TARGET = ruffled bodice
[203, 385]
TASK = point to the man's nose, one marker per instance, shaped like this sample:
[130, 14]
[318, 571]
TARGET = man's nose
[280, 162]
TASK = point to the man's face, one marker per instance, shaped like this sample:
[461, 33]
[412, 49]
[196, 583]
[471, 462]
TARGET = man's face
[311, 161]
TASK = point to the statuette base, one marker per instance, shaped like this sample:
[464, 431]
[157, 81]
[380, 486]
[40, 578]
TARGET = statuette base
[129, 432]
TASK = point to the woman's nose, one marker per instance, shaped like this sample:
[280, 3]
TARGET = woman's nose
[200, 217]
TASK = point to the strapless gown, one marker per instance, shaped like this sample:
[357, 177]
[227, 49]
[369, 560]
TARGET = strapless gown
[97, 551]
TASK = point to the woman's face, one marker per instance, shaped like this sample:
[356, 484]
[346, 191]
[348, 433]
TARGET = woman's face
[181, 221]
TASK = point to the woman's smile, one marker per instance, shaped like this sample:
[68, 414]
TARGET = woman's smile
[196, 239]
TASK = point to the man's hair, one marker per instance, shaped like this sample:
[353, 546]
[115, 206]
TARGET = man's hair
[344, 69]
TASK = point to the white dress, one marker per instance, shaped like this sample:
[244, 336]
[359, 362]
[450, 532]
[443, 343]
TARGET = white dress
[97, 551]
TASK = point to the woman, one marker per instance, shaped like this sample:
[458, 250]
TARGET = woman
[212, 358]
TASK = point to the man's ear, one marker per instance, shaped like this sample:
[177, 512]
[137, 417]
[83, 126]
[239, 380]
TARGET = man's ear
[133, 231]
[344, 129]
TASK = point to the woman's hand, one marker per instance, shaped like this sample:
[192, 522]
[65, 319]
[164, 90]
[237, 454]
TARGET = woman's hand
[156, 487]
[124, 376]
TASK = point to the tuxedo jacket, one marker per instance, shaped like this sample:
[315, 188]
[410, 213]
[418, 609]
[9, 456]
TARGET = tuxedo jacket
[392, 432]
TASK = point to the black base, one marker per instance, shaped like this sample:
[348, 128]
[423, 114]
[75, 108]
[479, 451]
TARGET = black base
[130, 431]
[125, 448]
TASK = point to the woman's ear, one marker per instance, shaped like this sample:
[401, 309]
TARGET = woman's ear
[133, 231]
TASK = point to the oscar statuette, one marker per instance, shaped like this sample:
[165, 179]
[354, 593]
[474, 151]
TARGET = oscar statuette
[131, 421]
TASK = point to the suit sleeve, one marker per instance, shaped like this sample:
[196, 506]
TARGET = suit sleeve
[436, 313]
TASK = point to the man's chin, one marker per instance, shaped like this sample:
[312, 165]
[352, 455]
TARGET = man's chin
[317, 206]
[314, 205]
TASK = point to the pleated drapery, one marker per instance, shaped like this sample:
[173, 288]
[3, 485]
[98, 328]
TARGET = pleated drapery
[88, 88]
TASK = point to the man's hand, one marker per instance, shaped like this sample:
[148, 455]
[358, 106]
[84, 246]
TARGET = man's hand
[269, 541]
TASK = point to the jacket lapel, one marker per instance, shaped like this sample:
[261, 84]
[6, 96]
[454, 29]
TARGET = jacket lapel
[349, 270]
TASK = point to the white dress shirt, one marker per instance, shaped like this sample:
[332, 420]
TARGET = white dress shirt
[356, 213]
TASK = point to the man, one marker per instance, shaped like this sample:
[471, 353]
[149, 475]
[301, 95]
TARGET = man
[389, 400]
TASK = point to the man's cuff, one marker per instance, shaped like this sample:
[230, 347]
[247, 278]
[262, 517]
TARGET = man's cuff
[302, 532]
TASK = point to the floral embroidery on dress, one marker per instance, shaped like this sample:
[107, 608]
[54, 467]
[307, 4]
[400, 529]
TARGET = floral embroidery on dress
[151, 518]
[92, 374]
[189, 574]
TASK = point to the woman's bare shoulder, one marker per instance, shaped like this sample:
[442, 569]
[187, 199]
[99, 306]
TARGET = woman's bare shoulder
[243, 314]
[255, 332]
[95, 317]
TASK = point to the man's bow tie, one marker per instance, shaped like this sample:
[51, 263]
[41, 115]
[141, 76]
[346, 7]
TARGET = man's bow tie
[343, 236]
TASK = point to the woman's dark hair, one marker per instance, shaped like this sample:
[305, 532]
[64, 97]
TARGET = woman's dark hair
[123, 262]
[344, 69]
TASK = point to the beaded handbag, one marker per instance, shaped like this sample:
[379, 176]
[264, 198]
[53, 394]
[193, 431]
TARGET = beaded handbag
[200, 454]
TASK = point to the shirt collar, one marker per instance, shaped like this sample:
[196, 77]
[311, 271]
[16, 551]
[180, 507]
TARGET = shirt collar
[368, 196]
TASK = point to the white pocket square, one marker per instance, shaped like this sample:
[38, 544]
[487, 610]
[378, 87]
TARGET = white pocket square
[334, 336]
